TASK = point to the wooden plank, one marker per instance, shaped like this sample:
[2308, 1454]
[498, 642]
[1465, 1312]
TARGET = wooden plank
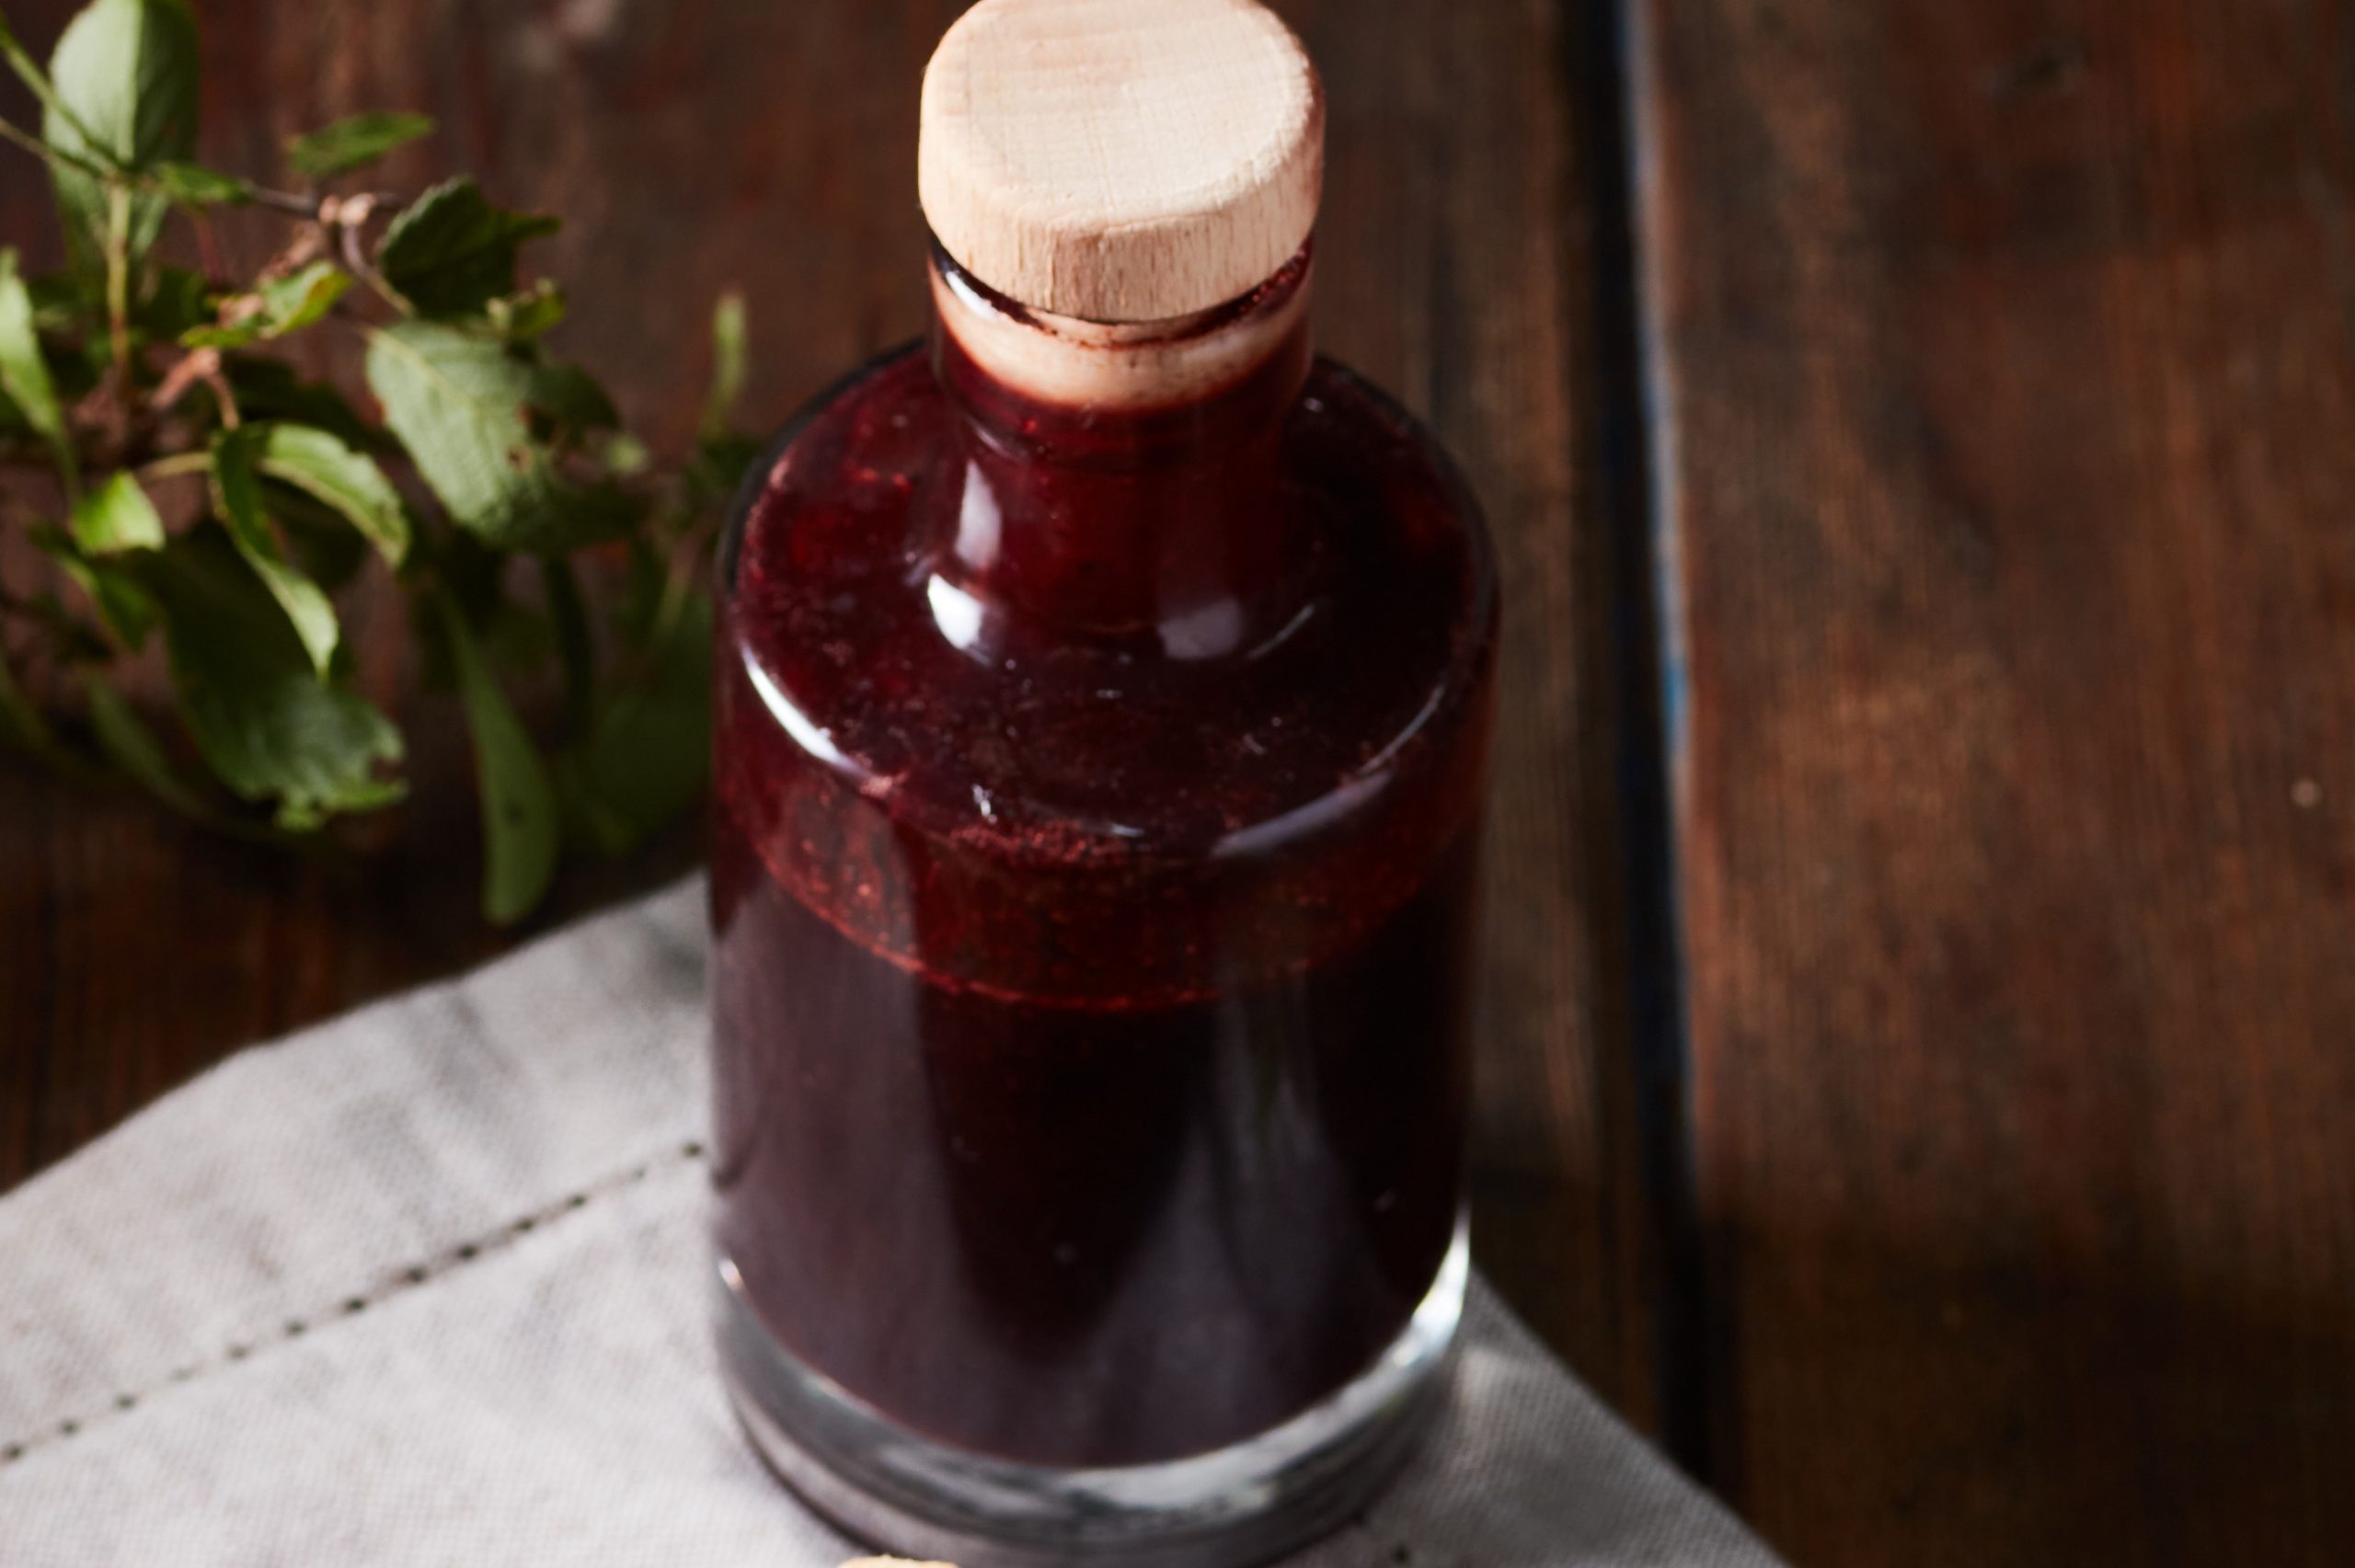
[2005, 374]
[696, 145]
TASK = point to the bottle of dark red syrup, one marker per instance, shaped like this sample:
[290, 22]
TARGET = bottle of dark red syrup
[1103, 692]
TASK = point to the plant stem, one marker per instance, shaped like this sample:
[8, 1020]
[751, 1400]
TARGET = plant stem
[283, 201]
[32, 145]
[48, 153]
[119, 292]
[174, 466]
[276, 200]
[230, 417]
[355, 259]
[576, 652]
[31, 75]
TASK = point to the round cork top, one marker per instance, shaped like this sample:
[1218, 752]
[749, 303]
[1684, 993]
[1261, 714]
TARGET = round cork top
[1120, 160]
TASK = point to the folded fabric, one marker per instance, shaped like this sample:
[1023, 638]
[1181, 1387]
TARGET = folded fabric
[429, 1285]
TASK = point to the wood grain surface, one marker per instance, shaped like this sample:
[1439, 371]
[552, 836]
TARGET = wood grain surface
[2002, 358]
[1919, 1072]
[698, 145]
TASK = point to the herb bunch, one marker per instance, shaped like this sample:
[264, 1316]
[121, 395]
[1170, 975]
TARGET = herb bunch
[203, 496]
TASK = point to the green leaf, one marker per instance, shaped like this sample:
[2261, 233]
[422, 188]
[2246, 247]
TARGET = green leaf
[128, 609]
[451, 252]
[117, 516]
[320, 539]
[718, 467]
[649, 754]
[125, 73]
[519, 826]
[534, 312]
[576, 648]
[637, 612]
[458, 402]
[58, 302]
[192, 185]
[121, 598]
[624, 454]
[131, 746]
[282, 306]
[45, 93]
[353, 144]
[518, 638]
[173, 304]
[727, 365]
[317, 463]
[302, 297]
[722, 455]
[268, 726]
[269, 390]
[571, 400]
[237, 497]
[24, 374]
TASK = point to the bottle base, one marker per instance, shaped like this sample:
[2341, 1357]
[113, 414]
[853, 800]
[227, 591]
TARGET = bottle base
[1234, 1507]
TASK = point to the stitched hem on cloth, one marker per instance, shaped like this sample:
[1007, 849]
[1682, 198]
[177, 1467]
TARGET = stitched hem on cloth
[439, 1264]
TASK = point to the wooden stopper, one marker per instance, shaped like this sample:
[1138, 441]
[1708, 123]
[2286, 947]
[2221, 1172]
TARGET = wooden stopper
[1120, 160]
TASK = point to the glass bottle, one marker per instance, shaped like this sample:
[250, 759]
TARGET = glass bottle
[1102, 711]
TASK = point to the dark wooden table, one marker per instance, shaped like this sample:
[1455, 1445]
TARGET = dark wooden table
[1919, 1051]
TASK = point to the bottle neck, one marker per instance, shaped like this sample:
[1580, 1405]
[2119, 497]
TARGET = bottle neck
[1122, 480]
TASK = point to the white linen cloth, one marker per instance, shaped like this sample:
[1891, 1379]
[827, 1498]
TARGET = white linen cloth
[429, 1285]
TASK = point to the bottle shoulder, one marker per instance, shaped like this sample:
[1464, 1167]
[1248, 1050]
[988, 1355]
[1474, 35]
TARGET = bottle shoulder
[854, 642]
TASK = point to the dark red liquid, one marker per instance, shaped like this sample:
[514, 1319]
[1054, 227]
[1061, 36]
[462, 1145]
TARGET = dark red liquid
[1092, 958]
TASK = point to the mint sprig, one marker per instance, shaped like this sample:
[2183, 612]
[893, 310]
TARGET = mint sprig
[211, 499]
